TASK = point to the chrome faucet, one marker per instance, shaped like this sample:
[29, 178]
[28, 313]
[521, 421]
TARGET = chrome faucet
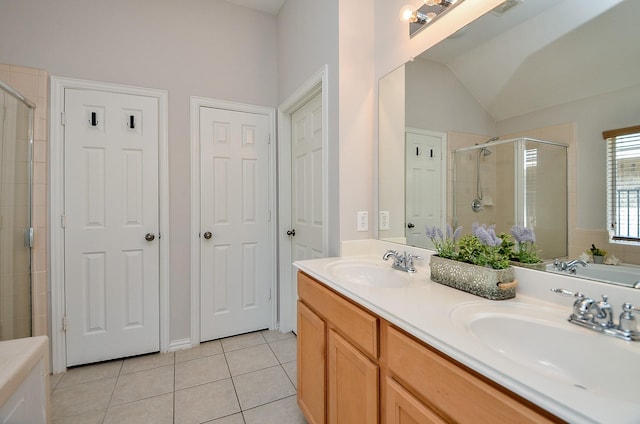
[598, 316]
[401, 261]
[568, 266]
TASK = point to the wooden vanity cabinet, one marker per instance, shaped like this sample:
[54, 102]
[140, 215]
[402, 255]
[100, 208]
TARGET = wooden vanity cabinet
[354, 367]
[338, 373]
[445, 388]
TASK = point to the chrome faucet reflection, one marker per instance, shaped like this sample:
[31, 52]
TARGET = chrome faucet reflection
[568, 266]
[598, 316]
[401, 261]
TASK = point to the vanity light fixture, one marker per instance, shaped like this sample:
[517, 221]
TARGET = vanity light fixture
[419, 18]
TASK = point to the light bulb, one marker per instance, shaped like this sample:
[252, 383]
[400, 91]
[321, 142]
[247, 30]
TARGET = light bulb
[407, 14]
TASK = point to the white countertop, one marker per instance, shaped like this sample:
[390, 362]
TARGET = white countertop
[17, 359]
[424, 310]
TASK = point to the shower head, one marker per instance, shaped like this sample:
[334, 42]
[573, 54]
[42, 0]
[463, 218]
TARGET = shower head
[492, 139]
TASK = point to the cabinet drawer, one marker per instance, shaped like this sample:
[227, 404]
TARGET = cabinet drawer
[360, 327]
[457, 393]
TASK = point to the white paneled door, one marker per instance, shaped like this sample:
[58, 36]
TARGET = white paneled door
[110, 225]
[306, 186]
[424, 185]
[236, 260]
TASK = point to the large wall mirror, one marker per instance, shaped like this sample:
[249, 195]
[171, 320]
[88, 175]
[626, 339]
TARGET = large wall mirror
[560, 71]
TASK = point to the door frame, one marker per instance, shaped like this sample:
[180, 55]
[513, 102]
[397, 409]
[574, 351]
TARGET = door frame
[318, 83]
[56, 206]
[195, 104]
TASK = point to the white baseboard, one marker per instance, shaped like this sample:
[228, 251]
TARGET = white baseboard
[180, 344]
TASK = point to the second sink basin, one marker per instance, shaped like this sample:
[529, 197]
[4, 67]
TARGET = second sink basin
[370, 272]
[542, 340]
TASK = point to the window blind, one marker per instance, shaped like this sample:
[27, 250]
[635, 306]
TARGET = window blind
[623, 183]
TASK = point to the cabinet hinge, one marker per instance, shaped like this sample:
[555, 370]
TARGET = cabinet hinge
[64, 323]
[269, 294]
[63, 220]
[62, 119]
[269, 138]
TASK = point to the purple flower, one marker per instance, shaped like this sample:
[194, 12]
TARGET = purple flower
[487, 236]
[456, 233]
[523, 234]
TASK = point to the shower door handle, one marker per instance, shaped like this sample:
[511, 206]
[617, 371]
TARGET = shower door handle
[28, 237]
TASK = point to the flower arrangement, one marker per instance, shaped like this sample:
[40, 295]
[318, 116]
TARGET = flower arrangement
[525, 249]
[482, 247]
[596, 251]
[445, 244]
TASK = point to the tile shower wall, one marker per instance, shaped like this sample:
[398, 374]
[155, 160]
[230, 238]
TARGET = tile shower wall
[34, 85]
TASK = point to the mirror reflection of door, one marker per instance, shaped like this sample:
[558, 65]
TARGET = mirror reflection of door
[424, 185]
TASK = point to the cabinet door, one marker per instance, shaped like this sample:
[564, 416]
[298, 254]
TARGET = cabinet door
[312, 335]
[353, 384]
[401, 407]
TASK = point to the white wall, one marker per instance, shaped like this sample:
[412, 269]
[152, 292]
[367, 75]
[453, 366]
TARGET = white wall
[307, 40]
[193, 47]
[437, 101]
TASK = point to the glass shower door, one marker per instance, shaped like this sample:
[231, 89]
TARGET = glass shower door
[15, 216]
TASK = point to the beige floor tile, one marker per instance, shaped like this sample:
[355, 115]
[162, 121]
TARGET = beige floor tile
[86, 373]
[284, 411]
[94, 417]
[156, 410]
[82, 398]
[272, 335]
[206, 402]
[201, 371]
[54, 379]
[204, 349]
[264, 386]
[231, 419]
[250, 359]
[142, 385]
[242, 341]
[147, 362]
[291, 368]
[285, 349]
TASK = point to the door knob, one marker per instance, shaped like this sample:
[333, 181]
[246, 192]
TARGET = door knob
[291, 232]
[149, 237]
[410, 225]
[207, 235]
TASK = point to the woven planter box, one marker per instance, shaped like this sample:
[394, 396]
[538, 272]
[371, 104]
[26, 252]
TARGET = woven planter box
[494, 284]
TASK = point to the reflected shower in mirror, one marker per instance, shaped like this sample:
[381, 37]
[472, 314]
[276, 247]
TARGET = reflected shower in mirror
[526, 177]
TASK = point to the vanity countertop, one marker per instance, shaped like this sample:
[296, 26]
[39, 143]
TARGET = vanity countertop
[17, 359]
[424, 309]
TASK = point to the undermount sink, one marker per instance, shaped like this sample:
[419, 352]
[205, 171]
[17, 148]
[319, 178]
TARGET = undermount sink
[371, 272]
[542, 340]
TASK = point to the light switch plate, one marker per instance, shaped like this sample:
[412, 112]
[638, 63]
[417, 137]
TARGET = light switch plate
[363, 221]
[384, 220]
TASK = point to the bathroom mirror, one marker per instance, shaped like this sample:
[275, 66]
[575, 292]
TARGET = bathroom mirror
[560, 71]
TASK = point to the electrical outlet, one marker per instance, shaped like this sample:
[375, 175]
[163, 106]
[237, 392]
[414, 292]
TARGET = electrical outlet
[384, 220]
[363, 221]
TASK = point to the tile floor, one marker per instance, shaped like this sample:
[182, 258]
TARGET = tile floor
[244, 379]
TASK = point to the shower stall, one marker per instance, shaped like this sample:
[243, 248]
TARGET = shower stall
[519, 181]
[16, 234]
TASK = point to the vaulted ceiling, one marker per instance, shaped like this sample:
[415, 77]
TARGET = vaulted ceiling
[545, 53]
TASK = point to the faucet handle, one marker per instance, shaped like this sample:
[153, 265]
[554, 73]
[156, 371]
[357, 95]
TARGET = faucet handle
[564, 292]
[628, 321]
